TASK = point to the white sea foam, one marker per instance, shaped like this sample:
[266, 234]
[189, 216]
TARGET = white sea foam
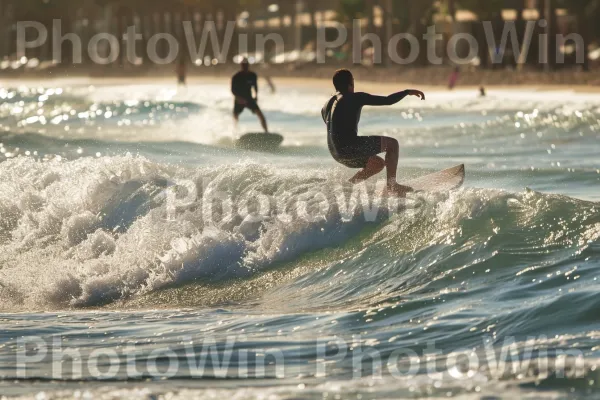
[94, 230]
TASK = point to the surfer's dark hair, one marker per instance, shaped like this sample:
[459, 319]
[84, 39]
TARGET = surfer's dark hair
[342, 79]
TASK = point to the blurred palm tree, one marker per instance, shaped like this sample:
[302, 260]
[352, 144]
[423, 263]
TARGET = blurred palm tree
[489, 10]
[412, 17]
[46, 12]
[349, 10]
[586, 13]
[399, 16]
[483, 9]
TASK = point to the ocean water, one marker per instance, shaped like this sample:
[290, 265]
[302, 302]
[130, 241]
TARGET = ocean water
[144, 257]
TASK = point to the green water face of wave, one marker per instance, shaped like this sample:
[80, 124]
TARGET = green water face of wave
[501, 243]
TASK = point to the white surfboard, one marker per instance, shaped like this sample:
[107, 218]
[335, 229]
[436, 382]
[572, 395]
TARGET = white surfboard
[443, 181]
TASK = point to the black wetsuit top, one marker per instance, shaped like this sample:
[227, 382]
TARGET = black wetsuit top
[242, 84]
[342, 115]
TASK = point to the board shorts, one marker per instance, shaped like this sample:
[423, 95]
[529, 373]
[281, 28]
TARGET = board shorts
[239, 108]
[357, 154]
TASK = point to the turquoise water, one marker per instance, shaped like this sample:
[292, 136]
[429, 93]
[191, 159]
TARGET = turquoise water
[143, 256]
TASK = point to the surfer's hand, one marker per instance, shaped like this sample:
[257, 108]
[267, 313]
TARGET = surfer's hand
[417, 93]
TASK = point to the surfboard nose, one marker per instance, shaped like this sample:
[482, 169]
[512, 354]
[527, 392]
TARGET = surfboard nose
[442, 181]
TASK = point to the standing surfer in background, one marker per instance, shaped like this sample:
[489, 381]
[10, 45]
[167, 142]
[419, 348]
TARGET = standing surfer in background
[242, 84]
[342, 115]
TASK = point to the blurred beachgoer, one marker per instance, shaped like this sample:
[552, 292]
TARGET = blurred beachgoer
[271, 84]
[482, 91]
[181, 71]
[242, 84]
[453, 78]
[342, 115]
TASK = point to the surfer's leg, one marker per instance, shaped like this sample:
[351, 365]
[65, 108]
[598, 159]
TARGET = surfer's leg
[391, 149]
[392, 152]
[236, 121]
[374, 166]
[237, 110]
[262, 119]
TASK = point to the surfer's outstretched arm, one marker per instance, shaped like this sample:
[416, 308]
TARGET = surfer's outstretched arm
[372, 100]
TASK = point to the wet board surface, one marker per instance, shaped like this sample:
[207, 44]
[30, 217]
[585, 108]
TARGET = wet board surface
[442, 181]
[260, 141]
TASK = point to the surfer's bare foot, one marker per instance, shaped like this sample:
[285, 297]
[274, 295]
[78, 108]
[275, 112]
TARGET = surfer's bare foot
[396, 189]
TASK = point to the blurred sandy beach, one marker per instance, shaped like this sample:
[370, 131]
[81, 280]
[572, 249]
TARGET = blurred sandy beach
[374, 80]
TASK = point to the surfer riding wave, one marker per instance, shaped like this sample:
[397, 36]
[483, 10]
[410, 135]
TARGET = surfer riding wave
[342, 115]
[242, 84]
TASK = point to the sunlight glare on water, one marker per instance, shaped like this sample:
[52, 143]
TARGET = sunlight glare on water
[90, 254]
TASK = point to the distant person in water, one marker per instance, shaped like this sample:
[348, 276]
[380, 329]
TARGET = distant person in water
[242, 84]
[342, 115]
[482, 92]
[181, 71]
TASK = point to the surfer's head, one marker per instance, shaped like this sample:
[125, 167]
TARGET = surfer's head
[245, 65]
[343, 81]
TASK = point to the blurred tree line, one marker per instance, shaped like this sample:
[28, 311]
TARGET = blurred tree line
[413, 16]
